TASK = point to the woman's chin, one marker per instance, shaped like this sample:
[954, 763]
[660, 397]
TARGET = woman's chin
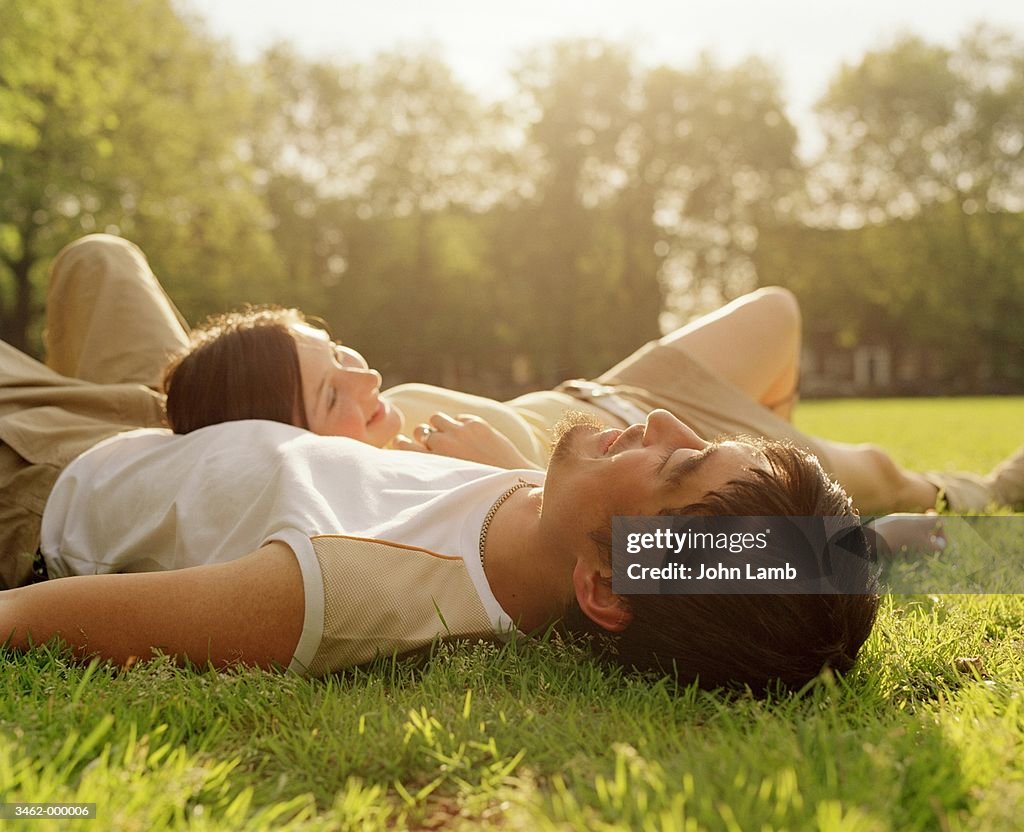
[382, 431]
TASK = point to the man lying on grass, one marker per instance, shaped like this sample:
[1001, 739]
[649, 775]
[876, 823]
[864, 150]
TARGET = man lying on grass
[319, 553]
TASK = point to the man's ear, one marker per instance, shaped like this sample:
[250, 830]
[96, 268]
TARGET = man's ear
[598, 602]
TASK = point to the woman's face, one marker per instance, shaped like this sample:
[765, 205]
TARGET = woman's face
[340, 392]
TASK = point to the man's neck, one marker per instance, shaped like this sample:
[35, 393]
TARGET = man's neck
[531, 581]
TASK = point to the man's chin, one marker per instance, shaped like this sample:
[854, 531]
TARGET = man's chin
[568, 429]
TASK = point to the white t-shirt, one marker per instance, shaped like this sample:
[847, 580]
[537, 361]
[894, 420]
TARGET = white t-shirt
[149, 500]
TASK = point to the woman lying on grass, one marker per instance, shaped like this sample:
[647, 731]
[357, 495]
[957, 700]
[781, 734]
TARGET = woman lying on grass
[308, 381]
[734, 371]
[110, 322]
[731, 372]
[272, 545]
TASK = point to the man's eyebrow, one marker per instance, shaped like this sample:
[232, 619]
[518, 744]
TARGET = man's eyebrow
[690, 465]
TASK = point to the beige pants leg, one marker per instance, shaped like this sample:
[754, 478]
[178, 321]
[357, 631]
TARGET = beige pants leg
[663, 375]
[108, 320]
[46, 420]
[667, 376]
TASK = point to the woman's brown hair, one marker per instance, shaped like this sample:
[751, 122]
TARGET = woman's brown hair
[240, 365]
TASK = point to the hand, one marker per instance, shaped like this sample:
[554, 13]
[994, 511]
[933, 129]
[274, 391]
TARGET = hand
[911, 533]
[464, 437]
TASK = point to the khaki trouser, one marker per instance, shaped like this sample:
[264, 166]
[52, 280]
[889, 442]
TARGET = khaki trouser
[665, 376]
[110, 331]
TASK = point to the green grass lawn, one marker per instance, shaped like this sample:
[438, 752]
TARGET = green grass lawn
[926, 733]
[971, 434]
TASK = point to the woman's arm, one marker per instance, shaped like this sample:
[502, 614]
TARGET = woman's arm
[464, 437]
[249, 611]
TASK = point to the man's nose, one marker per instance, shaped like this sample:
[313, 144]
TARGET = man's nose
[663, 427]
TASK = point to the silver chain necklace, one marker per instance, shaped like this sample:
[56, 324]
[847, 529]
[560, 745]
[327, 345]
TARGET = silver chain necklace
[486, 527]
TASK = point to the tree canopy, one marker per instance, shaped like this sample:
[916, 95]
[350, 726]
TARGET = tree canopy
[494, 244]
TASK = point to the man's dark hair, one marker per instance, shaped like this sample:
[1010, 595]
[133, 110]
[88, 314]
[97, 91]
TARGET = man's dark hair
[759, 641]
[240, 365]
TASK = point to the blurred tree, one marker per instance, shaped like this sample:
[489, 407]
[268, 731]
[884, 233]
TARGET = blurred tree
[648, 184]
[37, 77]
[367, 168]
[916, 124]
[302, 140]
[28, 56]
[845, 280]
[721, 157]
[128, 120]
[926, 133]
[427, 137]
[451, 240]
[575, 99]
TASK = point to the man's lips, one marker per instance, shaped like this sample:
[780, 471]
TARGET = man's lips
[615, 440]
[608, 438]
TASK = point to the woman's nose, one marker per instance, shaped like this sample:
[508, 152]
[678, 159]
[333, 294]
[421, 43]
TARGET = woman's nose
[350, 358]
[361, 376]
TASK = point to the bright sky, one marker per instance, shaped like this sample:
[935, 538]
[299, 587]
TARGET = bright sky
[480, 39]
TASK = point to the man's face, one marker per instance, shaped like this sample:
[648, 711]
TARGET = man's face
[595, 474]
